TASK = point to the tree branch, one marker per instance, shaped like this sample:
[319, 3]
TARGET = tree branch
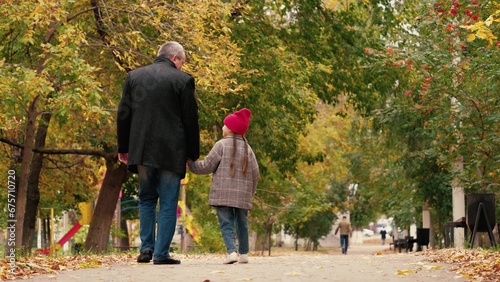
[10, 142]
[79, 13]
[103, 35]
[107, 156]
[73, 152]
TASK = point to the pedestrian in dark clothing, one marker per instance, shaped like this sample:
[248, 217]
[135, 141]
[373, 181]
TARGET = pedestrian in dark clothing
[383, 234]
[157, 132]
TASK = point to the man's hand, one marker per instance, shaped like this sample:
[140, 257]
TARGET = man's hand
[123, 157]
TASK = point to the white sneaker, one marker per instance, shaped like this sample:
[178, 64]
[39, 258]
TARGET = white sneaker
[231, 258]
[243, 258]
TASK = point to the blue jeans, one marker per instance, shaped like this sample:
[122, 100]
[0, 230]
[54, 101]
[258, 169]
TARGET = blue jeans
[344, 243]
[228, 218]
[157, 184]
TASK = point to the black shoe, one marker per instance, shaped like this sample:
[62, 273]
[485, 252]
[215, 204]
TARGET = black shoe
[167, 261]
[145, 257]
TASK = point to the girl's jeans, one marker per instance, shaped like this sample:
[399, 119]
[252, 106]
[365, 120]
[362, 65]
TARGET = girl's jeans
[229, 218]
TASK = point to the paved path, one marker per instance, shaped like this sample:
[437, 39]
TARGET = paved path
[362, 263]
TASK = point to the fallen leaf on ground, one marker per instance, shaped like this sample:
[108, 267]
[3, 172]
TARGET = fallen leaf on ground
[218, 271]
[433, 267]
[293, 273]
[477, 264]
[404, 272]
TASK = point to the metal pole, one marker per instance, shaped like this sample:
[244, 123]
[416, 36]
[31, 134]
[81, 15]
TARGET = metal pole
[51, 240]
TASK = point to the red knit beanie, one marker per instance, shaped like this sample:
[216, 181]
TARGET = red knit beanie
[238, 121]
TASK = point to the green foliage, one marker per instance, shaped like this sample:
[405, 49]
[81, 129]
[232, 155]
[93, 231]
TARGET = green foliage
[211, 241]
[437, 110]
[278, 95]
[310, 213]
[442, 105]
[68, 59]
[130, 196]
[425, 74]
[204, 215]
[79, 237]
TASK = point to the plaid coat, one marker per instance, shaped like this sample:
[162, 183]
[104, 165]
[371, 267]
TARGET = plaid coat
[226, 190]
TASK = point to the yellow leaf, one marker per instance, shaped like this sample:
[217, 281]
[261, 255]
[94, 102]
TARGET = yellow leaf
[433, 267]
[218, 272]
[293, 273]
[471, 37]
[404, 272]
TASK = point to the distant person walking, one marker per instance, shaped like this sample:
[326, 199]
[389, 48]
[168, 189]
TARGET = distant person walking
[234, 182]
[383, 234]
[157, 132]
[345, 232]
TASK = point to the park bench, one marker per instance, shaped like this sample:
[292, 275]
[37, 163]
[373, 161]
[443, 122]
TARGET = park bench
[449, 240]
[396, 243]
[408, 242]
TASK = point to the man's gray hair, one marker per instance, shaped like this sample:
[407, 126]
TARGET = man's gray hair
[170, 49]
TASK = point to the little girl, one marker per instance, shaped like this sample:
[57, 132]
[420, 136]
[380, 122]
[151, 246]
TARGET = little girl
[234, 182]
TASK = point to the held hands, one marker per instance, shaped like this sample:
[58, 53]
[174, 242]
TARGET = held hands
[123, 157]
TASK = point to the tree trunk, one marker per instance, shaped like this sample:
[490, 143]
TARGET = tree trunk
[269, 239]
[21, 203]
[33, 189]
[98, 235]
[22, 193]
[315, 246]
[269, 233]
[440, 231]
[124, 241]
[296, 238]
[432, 233]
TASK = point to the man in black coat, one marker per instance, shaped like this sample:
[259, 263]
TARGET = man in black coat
[158, 131]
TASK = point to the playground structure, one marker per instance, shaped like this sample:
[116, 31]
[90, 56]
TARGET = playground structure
[48, 225]
[184, 218]
[188, 224]
[192, 228]
[86, 212]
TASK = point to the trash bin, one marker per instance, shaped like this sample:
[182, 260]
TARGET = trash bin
[422, 238]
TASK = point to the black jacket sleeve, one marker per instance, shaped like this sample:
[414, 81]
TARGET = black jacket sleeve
[124, 118]
[190, 119]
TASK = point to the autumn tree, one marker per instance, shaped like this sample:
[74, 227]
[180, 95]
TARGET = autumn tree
[441, 106]
[41, 78]
[59, 59]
